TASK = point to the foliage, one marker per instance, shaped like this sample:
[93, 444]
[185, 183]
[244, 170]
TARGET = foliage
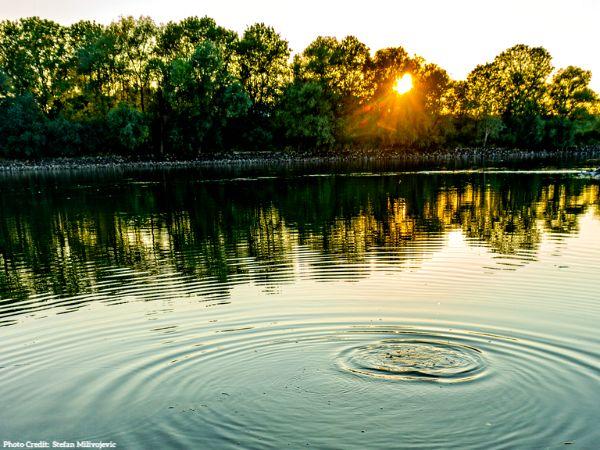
[264, 69]
[306, 117]
[203, 98]
[128, 127]
[22, 127]
[341, 67]
[482, 95]
[264, 73]
[181, 88]
[35, 54]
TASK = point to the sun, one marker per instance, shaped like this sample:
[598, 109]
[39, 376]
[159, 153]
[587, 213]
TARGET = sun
[403, 84]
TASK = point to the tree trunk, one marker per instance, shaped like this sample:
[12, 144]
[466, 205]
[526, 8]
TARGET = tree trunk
[485, 137]
[162, 108]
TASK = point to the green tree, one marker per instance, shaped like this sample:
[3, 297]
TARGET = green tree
[5, 85]
[506, 98]
[35, 54]
[135, 43]
[203, 98]
[180, 39]
[570, 94]
[571, 103]
[265, 73]
[63, 137]
[128, 127]
[22, 127]
[521, 73]
[305, 116]
[98, 69]
[482, 102]
[341, 67]
[264, 69]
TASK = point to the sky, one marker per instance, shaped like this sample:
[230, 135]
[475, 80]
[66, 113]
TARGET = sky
[456, 34]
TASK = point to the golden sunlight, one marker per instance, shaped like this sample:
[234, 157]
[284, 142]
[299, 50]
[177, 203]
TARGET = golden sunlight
[403, 84]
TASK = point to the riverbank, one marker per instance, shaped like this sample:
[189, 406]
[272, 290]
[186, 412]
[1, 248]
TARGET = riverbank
[463, 157]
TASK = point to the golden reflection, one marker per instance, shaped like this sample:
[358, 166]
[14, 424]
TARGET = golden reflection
[64, 250]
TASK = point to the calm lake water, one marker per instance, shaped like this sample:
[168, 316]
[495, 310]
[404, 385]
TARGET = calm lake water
[294, 308]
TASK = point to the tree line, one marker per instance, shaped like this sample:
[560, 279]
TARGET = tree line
[187, 88]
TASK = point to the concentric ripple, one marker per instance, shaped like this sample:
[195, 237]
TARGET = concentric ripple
[320, 373]
[406, 359]
[285, 382]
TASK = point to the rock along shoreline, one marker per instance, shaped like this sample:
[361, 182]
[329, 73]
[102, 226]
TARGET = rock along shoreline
[475, 157]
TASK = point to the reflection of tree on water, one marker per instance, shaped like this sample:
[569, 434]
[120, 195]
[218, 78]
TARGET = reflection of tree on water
[60, 238]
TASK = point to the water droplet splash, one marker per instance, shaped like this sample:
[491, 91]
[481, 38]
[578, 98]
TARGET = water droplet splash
[414, 359]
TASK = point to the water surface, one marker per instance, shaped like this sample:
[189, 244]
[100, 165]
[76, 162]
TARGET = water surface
[356, 309]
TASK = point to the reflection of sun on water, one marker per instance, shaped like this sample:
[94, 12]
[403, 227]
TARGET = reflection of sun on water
[403, 84]
[456, 239]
